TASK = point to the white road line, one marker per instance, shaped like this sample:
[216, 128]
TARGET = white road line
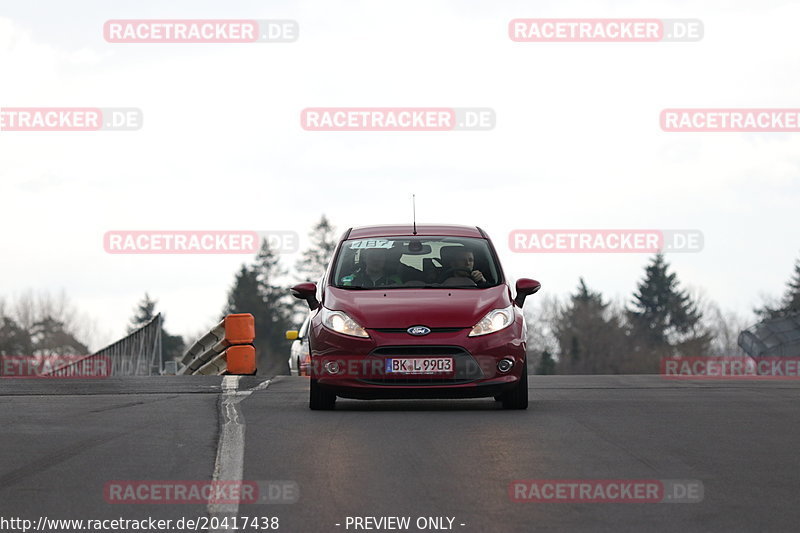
[229, 464]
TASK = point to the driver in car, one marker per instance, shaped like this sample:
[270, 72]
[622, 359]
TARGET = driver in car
[460, 263]
[373, 271]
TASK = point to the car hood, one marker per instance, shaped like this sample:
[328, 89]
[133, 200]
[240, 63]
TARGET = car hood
[402, 308]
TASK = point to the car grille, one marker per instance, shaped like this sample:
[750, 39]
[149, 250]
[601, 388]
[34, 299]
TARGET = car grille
[466, 368]
[405, 330]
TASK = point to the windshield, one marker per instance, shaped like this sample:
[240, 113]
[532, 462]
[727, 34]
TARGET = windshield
[426, 262]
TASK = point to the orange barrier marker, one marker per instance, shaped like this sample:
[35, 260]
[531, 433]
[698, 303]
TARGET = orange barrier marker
[240, 328]
[241, 359]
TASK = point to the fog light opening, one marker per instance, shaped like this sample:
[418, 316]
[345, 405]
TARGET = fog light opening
[504, 365]
[332, 367]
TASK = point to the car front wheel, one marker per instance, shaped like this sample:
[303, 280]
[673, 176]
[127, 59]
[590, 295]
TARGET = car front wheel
[320, 399]
[517, 398]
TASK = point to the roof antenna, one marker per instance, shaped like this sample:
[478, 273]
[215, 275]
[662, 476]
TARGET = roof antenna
[414, 211]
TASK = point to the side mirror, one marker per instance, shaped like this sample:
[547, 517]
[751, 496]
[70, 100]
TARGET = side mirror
[308, 292]
[292, 335]
[525, 287]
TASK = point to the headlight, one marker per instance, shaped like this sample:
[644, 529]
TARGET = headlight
[340, 322]
[494, 320]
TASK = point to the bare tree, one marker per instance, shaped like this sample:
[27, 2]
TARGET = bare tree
[52, 322]
[725, 326]
[540, 313]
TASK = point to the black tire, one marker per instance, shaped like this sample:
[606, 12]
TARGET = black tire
[320, 399]
[518, 397]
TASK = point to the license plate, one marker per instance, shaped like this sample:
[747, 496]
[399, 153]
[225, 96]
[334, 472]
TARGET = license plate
[419, 365]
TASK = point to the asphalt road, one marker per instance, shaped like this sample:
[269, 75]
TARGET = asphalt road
[64, 441]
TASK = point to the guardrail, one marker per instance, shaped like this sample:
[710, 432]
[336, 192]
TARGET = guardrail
[226, 349]
[776, 337]
[137, 354]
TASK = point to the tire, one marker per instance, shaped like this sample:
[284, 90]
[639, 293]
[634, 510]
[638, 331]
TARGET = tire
[320, 399]
[517, 398]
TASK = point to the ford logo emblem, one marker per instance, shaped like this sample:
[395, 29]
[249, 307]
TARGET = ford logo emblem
[418, 330]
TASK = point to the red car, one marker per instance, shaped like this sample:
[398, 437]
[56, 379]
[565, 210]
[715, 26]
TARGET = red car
[416, 312]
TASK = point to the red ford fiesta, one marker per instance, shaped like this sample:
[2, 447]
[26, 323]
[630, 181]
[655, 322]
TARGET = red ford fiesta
[416, 312]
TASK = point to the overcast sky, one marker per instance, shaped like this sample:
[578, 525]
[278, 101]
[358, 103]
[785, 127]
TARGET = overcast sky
[577, 142]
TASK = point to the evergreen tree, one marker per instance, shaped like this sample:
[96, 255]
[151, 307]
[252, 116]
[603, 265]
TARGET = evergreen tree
[547, 365]
[663, 316]
[255, 291]
[790, 303]
[145, 311]
[172, 346]
[791, 300]
[244, 296]
[50, 338]
[14, 340]
[315, 258]
[277, 311]
[591, 339]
